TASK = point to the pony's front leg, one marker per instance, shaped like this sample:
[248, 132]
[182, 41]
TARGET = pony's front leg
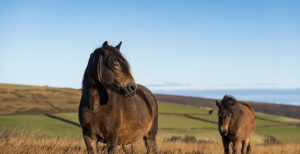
[235, 146]
[112, 142]
[225, 145]
[91, 144]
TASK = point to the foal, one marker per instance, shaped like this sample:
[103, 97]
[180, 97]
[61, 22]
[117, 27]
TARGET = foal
[236, 123]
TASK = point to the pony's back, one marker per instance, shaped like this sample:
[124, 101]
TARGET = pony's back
[248, 106]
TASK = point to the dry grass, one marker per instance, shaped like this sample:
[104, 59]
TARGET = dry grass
[29, 143]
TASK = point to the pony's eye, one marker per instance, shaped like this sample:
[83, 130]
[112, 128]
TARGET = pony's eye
[115, 64]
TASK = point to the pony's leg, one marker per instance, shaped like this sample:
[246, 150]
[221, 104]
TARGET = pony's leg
[128, 148]
[112, 142]
[235, 146]
[149, 139]
[225, 145]
[150, 144]
[248, 147]
[245, 145]
[91, 144]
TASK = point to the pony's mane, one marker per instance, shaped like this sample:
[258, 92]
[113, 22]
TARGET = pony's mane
[95, 62]
[228, 101]
[116, 53]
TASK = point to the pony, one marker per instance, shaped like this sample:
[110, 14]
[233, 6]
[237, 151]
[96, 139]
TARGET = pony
[236, 123]
[114, 109]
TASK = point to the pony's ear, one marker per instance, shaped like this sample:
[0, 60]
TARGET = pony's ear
[118, 46]
[218, 103]
[233, 103]
[105, 47]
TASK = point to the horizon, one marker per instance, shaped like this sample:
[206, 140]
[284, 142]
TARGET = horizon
[270, 96]
[172, 46]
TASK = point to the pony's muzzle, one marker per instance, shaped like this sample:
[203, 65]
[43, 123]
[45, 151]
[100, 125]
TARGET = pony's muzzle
[223, 132]
[129, 89]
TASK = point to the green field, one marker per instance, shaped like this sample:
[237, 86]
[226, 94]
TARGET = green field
[181, 120]
[179, 109]
[282, 134]
[42, 124]
[174, 119]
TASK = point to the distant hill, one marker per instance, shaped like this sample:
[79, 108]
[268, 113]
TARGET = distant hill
[274, 109]
[24, 99]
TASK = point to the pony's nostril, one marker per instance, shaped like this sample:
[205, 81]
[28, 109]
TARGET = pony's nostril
[225, 132]
[131, 88]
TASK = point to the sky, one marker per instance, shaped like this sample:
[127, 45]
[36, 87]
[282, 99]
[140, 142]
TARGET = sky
[170, 45]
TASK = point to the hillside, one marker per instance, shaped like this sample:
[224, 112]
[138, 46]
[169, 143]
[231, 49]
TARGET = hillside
[23, 99]
[274, 109]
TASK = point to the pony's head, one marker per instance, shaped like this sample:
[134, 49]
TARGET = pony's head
[227, 111]
[108, 68]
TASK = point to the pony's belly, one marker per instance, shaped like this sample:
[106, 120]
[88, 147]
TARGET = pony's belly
[133, 133]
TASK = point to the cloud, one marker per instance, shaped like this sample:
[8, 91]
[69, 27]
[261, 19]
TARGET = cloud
[220, 85]
[294, 103]
[225, 85]
[166, 84]
[265, 84]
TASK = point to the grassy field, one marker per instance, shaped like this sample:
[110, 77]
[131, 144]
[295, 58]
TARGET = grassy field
[179, 109]
[41, 124]
[174, 119]
[28, 143]
[282, 134]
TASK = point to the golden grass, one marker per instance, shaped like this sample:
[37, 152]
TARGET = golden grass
[29, 143]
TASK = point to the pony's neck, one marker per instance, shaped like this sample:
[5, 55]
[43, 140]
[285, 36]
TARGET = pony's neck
[236, 120]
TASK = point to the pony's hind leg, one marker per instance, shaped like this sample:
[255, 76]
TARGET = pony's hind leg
[128, 148]
[248, 148]
[150, 144]
[245, 146]
[149, 139]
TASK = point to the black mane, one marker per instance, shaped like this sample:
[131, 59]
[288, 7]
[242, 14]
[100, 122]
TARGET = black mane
[116, 53]
[87, 70]
[92, 72]
[231, 104]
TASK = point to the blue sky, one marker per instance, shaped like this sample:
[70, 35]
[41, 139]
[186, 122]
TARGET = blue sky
[171, 45]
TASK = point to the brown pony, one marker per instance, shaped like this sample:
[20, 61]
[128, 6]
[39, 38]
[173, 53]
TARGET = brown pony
[236, 123]
[113, 108]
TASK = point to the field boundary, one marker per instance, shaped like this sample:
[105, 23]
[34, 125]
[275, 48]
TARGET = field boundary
[185, 115]
[64, 120]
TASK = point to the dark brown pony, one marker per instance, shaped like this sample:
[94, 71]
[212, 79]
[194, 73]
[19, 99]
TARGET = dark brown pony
[236, 123]
[113, 108]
